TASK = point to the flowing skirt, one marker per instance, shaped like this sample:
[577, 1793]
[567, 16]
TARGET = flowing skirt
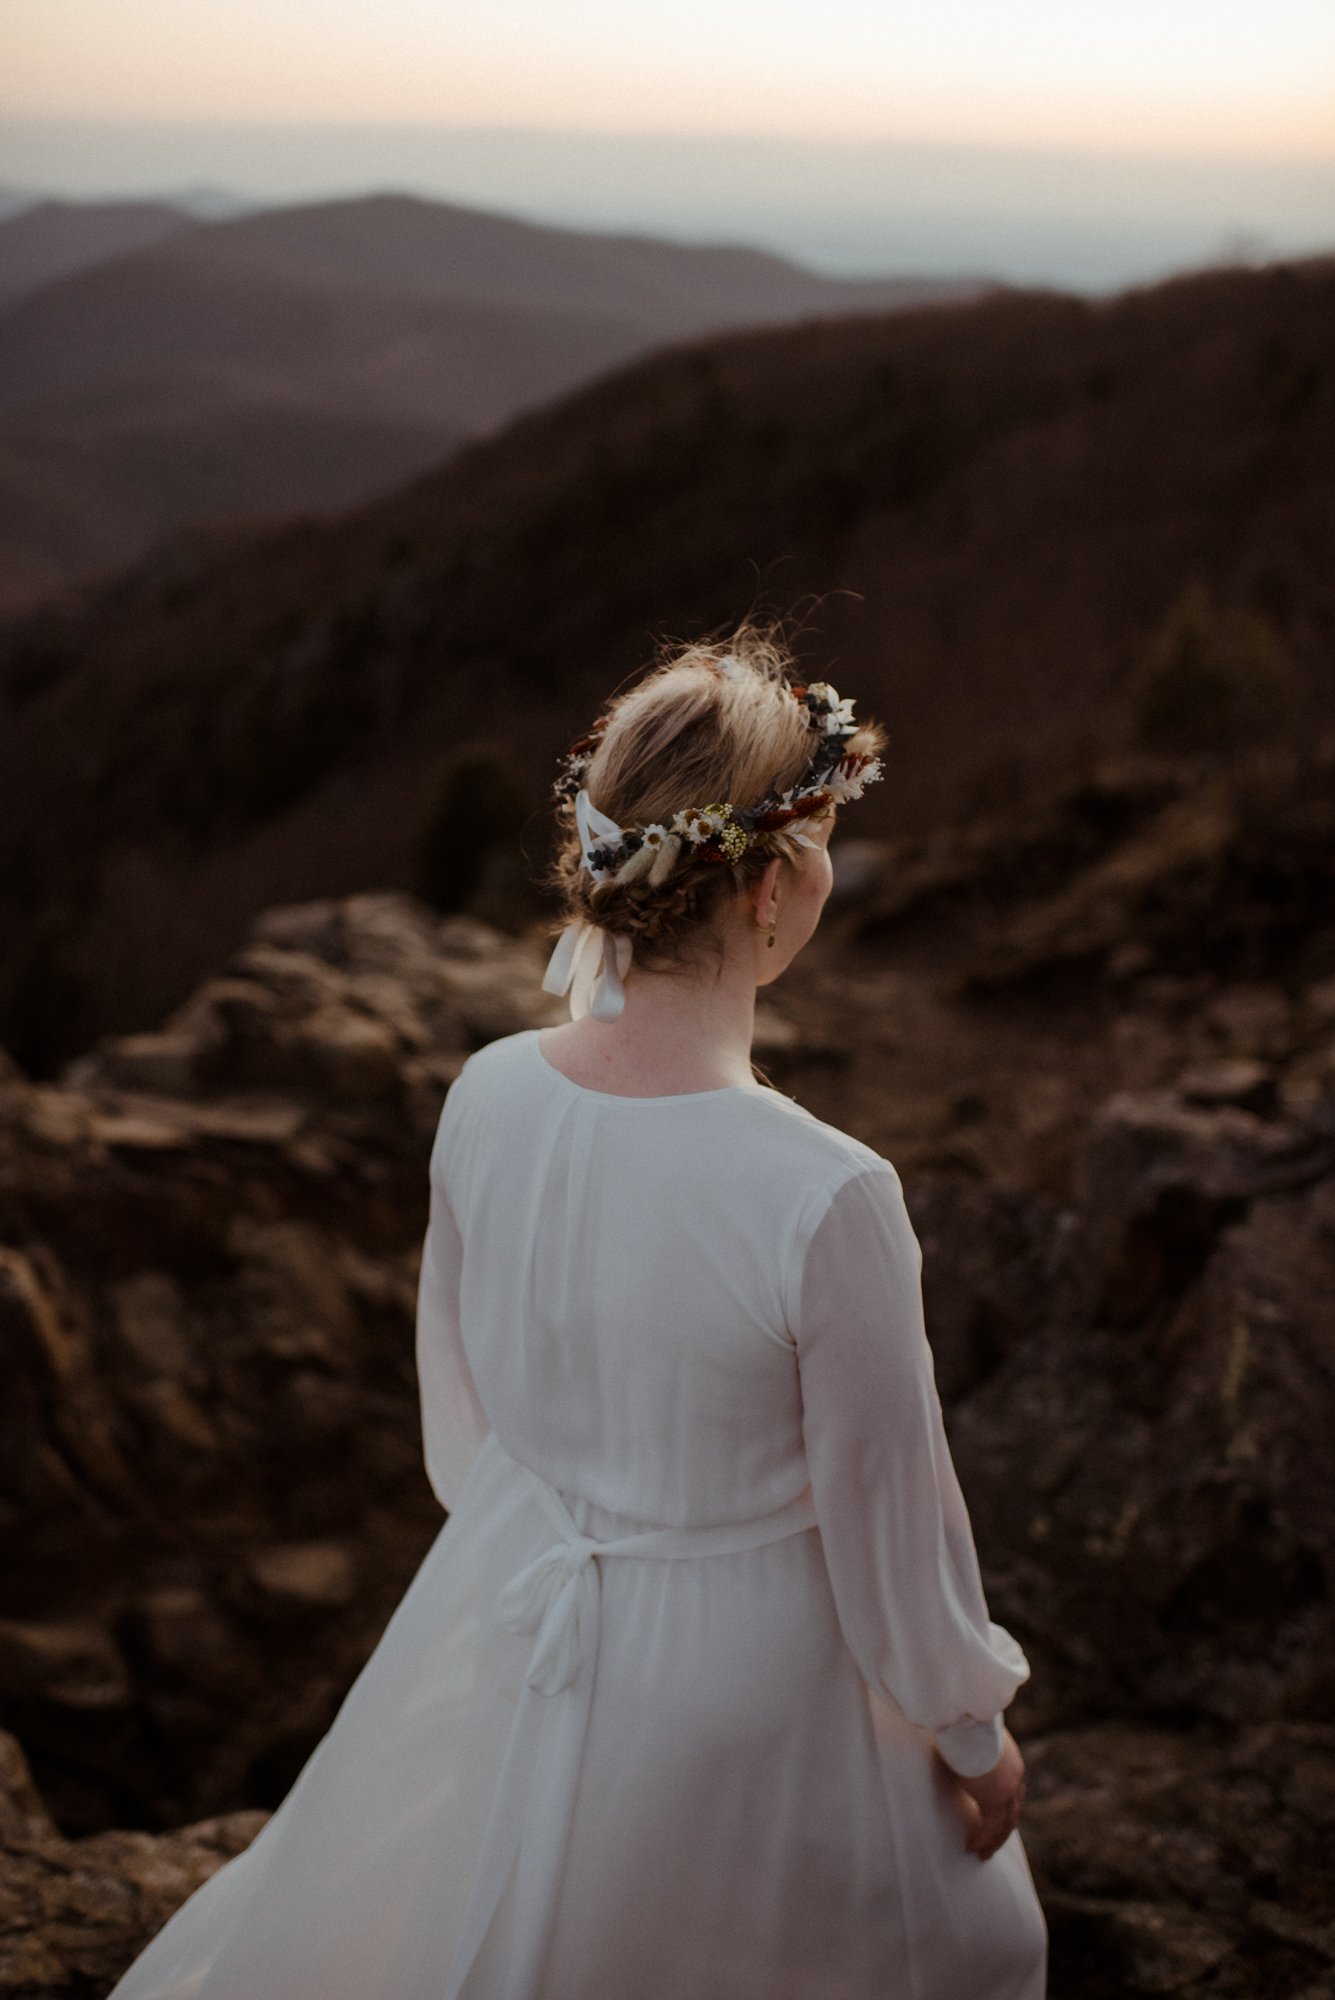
[714, 1807]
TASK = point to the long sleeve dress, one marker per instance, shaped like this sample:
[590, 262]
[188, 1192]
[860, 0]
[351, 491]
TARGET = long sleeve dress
[656, 1717]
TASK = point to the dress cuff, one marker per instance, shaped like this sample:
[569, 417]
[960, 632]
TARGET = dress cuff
[969, 1747]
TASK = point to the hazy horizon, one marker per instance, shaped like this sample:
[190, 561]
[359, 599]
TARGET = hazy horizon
[1036, 143]
[1082, 219]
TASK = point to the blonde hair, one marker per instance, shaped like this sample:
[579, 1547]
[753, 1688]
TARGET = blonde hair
[691, 732]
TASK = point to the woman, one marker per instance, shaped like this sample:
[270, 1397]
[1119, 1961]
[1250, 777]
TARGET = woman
[695, 1696]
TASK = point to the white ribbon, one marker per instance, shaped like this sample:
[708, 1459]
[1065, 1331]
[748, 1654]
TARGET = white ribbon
[594, 826]
[588, 962]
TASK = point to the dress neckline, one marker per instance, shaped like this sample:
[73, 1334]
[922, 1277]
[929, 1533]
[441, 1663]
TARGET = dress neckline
[620, 1097]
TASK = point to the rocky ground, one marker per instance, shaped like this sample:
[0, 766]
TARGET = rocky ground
[1098, 1040]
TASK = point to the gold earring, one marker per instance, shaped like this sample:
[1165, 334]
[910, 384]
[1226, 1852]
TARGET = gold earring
[773, 920]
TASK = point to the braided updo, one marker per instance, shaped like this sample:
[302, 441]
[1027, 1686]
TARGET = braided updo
[691, 730]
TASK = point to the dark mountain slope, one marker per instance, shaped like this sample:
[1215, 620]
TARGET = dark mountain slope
[999, 505]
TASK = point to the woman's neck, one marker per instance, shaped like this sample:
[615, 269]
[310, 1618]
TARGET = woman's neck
[680, 1030]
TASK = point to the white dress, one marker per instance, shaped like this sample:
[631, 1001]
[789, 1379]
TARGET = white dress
[698, 1766]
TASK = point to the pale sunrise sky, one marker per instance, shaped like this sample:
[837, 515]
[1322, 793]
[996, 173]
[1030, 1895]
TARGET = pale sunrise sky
[1218, 75]
[854, 133]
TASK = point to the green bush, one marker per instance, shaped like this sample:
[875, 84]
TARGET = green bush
[1213, 678]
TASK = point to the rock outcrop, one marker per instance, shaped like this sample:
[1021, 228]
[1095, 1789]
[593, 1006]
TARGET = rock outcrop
[1145, 1465]
[73, 1913]
[210, 1463]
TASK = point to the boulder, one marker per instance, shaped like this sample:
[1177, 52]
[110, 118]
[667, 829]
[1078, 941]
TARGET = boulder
[1159, 1174]
[74, 1913]
[1184, 1862]
[1148, 1471]
[306, 1576]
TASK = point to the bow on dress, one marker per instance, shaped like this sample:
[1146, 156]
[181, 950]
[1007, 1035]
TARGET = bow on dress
[556, 1596]
[588, 962]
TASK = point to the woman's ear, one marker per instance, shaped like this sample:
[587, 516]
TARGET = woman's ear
[763, 901]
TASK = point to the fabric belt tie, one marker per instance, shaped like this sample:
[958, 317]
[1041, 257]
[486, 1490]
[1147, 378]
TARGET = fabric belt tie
[556, 1596]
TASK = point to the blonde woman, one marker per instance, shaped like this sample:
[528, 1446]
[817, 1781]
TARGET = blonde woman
[696, 1695]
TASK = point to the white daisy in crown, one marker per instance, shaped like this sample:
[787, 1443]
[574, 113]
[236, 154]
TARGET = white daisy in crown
[699, 823]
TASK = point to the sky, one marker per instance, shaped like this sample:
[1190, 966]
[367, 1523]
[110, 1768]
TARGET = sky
[854, 133]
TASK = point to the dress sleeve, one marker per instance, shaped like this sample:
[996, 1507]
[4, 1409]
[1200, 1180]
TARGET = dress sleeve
[896, 1532]
[453, 1421]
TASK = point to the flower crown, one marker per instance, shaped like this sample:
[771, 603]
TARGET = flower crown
[721, 831]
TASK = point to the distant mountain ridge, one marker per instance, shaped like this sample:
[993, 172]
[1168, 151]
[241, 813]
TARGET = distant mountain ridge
[143, 353]
[434, 249]
[53, 239]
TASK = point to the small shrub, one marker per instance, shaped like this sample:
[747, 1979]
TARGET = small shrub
[1213, 679]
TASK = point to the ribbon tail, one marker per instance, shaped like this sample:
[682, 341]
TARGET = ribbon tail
[609, 994]
[556, 1654]
[585, 970]
[561, 965]
[572, 966]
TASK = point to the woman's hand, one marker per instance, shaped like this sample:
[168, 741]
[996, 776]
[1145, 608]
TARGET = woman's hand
[991, 1804]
